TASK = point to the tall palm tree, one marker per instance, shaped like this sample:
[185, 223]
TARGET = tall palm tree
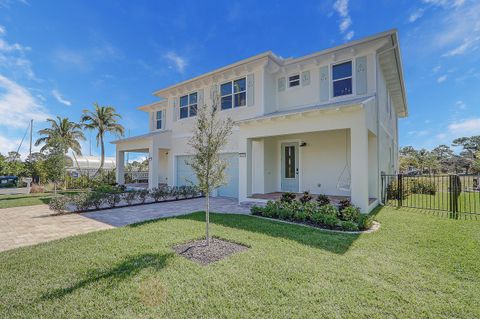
[62, 133]
[104, 119]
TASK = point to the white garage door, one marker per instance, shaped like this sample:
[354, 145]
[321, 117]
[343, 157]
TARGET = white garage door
[185, 174]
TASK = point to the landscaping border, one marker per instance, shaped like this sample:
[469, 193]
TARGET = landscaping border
[374, 228]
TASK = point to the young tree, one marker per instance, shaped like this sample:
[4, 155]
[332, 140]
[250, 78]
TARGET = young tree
[104, 119]
[210, 135]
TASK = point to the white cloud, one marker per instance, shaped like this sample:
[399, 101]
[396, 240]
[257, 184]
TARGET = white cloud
[442, 78]
[341, 7]
[461, 105]
[436, 69]
[470, 43]
[85, 59]
[13, 57]
[56, 94]
[465, 127]
[179, 62]
[2, 30]
[18, 106]
[415, 15]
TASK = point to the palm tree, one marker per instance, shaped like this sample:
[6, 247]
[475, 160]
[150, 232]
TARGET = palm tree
[62, 133]
[104, 119]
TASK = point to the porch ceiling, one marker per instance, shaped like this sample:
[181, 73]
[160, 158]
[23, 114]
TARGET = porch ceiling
[142, 143]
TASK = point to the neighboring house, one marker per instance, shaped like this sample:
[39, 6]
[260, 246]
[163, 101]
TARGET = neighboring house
[89, 165]
[326, 122]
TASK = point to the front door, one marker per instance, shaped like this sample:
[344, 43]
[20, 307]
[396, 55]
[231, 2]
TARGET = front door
[290, 167]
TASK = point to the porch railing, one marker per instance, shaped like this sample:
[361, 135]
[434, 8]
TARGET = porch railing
[136, 176]
[453, 193]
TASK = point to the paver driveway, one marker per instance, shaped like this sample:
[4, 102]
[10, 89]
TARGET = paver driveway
[29, 225]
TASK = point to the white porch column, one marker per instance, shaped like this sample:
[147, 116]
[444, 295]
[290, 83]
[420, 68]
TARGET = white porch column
[120, 171]
[244, 169]
[153, 165]
[359, 166]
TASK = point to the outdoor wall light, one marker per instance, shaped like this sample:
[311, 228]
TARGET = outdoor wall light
[303, 144]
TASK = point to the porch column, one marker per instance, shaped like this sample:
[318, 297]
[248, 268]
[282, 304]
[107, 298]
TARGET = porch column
[153, 165]
[244, 169]
[120, 171]
[359, 167]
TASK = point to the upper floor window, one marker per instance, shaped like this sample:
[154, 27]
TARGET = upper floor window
[158, 120]
[188, 105]
[233, 94]
[342, 79]
[294, 80]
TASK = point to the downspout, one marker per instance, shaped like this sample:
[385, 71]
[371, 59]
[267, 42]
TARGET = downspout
[377, 63]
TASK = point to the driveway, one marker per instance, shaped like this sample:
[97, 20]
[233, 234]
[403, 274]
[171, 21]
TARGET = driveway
[29, 225]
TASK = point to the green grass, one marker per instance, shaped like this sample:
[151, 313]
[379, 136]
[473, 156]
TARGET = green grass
[18, 200]
[418, 265]
[468, 202]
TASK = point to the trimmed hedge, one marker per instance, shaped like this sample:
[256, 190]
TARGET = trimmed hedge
[109, 197]
[317, 213]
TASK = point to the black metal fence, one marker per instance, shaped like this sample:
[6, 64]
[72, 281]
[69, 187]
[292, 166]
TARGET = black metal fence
[453, 193]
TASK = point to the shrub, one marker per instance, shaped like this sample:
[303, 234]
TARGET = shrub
[130, 197]
[328, 210]
[327, 220]
[113, 199]
[323, 200]
[288, 197]
[285, 213]
[344, 203]
[310, 208]
[80, 201]
[271, 209]
[365, 222]
[59, 203]
[300, 215]
[348, 225]
[142, 195]
[105, 188]
[256, 210]
[419, 186]
[160, 193]
[305, 198]
[175, 192]
[350, 213]
[96, 199]
[35, 188]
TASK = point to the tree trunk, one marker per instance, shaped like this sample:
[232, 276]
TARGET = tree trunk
[207, 218]
[102, 155]
[76, 163]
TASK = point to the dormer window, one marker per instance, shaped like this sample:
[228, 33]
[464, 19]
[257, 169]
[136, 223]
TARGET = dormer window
[342, 79]
[158, 120]
[294, 80]
[233, 94]
[188, 105]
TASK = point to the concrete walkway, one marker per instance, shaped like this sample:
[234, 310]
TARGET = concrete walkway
[29, 225]
[130, 215]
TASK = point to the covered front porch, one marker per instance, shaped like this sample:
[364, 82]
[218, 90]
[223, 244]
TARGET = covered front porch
[156, 147]
[332, 153]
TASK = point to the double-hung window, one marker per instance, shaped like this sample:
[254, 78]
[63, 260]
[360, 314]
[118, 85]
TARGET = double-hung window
[294, 80]
[188, 105]
[233, 94]
[342, 79]
[159, 120]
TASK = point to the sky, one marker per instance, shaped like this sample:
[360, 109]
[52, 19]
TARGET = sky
[59, 57]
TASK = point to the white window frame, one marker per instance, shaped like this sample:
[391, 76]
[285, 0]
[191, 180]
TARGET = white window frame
[188, 106]
[289, 86]
[354, 88]
[162, 119]
[232, 94]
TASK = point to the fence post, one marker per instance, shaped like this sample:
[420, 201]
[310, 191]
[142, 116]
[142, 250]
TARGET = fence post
[453, 195]
[399, 190]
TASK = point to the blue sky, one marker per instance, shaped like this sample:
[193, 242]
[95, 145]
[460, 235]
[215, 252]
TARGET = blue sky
[58, 57]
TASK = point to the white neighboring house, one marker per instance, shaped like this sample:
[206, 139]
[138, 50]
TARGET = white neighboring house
[326, 122]
[89, 165]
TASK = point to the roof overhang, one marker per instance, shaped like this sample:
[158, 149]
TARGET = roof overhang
[142, 137]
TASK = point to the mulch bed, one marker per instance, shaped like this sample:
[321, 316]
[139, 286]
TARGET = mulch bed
[199, 252]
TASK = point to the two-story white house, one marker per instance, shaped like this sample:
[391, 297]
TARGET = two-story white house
[326, 122]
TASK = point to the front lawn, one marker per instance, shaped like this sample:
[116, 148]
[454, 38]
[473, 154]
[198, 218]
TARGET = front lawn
[18, 200]
[417, 265]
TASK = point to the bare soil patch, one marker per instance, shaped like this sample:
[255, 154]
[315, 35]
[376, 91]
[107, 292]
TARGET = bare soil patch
[199, 252]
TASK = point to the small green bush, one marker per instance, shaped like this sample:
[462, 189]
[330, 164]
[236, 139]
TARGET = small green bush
[130, 197]
[113, 199]
[160, 193]
[59, 203]
[350, 213]
[310, 208]
[96, 199]
[306, 197]
[105, 188]
[288, 197]
[419, 186]
[300, 215]
[344, 203]
[365, 222]
[257, 210]
[81, 201]
[327, 220]
[285, 213]
[323, 200]
[348, 225]
[143, 195]
[329, 210]
[271, 209]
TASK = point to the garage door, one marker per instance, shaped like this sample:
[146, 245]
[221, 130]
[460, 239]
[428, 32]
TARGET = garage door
[231, 189]
[185, 174]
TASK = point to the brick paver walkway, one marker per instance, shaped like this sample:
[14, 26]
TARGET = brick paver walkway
[29, 225]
